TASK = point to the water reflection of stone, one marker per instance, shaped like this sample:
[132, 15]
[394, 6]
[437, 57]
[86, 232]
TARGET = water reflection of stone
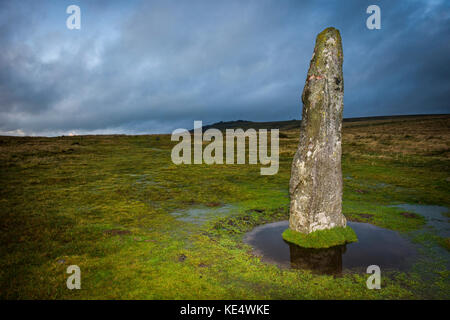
[385, 248]
[320, 261]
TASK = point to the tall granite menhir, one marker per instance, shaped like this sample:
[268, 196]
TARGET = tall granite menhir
[315, 187]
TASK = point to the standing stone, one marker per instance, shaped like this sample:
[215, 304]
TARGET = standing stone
[315, 187]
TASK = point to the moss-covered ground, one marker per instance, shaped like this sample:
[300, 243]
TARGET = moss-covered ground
[321, 238]
[105, 203]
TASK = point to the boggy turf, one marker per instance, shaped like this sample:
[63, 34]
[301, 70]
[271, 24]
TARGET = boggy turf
[104, 203]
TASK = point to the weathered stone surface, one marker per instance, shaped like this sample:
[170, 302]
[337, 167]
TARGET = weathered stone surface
[316, 178]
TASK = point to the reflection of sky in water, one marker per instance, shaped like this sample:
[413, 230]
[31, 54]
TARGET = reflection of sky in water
[202, 213]
[382, 247]
[434, 216]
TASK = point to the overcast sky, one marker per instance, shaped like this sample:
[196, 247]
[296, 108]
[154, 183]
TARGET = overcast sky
[154, 66]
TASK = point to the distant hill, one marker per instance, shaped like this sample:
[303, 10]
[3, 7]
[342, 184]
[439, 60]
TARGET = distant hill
[295, 124]
[243, 124]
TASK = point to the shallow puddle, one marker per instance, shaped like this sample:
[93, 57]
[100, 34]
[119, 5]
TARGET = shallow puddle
[203, 213]
[434, 216]
[375, 246]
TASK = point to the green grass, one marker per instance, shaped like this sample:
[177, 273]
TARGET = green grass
[445, 243]
[321, 238]
[60, 199]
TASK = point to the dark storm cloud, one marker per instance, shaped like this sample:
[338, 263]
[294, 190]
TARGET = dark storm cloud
[154, 66]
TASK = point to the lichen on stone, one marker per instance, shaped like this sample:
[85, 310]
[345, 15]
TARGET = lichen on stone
[315, 187]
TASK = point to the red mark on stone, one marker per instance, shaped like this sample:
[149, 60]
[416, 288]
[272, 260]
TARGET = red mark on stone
[313, 77]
